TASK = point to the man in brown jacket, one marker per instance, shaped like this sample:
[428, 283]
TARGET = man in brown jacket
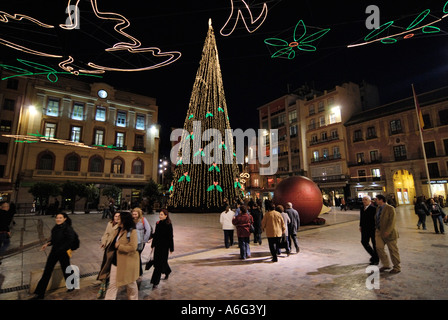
[274, 226]
[386, 234]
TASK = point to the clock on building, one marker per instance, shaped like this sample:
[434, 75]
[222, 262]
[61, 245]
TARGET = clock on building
[102, 94]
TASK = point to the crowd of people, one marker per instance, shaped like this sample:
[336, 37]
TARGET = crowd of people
[280, 225]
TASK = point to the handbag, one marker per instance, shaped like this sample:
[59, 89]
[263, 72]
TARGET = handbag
[150, 262]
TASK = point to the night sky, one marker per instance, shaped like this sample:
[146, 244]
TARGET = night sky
[251, 77]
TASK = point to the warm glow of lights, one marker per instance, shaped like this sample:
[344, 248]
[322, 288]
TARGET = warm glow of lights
[32, 109]
[236, 14]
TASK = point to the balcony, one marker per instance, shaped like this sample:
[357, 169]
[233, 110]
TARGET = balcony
[326, 158]
[367, 179]
[328, 139]
[336, 178]
[64, 175]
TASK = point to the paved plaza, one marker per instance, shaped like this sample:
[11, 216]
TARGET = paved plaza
[331, 264]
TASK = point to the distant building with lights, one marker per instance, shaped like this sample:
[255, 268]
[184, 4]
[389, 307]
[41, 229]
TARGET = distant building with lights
[386, 154]
[312, 137]
[72, 130]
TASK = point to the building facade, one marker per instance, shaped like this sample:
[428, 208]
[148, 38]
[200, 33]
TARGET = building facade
[71, 130]
[386, 154]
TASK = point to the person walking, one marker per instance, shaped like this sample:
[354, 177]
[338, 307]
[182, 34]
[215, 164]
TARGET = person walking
[124, 270]
[421, 210]
[61, 241]
[386, 233]
[242, 223]
[437, 214]
[163, 244]
[284, 242]
[109, 234]
[293, 226]
[257, 216]
[144, 232]
[6, 217]
[274, 226]
[367, 229]
[227, 226]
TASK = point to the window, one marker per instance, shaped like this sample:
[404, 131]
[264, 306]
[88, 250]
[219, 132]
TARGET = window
[376, 174]
[445, 144]
[330, 101]
[12, 84]
[357, 136]
[400, 152]
[78, 111]
[139, 142]
[374, 156]
[427, 121]
[362, 175]
[430, 149]
[293, 131]
[443, 117]
[117, 166]
[99, 137]
[119, 142]
[314, 138]
[140, 122]
[50, 130]
[4, 147]
[334, 134]
[137, 166]
[2, 171]
[5, 126]
[311, 110]
[360, 158]
[121, 119]
[316, 155]
[96, 164]
[45, 161]
[312, 124]
[75, 134]
[292, 116]
[322, 121]
[321, 107]
[9, 104]
[332, 118]
[371, 133]
[53, 107]
[323, 136]
[325, 153]
[100, 114]
[336, 152]
[72, 162]
[433, 169]
[395, 127]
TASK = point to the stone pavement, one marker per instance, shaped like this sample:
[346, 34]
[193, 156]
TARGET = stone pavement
[331, 264]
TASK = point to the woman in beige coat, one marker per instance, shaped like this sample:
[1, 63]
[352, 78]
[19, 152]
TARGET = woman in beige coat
[125, 264]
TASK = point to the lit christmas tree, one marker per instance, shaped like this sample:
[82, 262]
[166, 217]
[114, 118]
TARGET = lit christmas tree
[206, 169]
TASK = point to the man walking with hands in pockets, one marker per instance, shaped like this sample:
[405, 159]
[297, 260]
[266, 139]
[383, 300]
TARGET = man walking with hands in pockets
[386, 234]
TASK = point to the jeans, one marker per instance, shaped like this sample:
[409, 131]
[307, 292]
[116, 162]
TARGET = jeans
[274, 244]
[422, 220]
[439, 218]
[4, 243]
[228, 238]
[52, 259]
[244, 247]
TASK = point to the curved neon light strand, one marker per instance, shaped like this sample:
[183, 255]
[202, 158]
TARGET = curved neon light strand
[239, 14]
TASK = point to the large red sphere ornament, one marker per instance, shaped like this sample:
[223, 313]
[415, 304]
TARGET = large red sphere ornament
[304, 195]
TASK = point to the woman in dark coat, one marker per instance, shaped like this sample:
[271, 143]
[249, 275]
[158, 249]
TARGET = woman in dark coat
[163, 244]
[242, 223]
[257, 215]
[61, 241]
[421, 210]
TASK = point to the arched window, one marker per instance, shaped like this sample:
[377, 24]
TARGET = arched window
[117, 165]
[72, 162]
[137, 166]
[96, 164]
[45, 161]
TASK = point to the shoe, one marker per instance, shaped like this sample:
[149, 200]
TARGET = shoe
[274, 260]
[70, 290]
[37, 297]
[154, 287]
[394, 271]
[166, 277]
[382, 269]
[418, 227]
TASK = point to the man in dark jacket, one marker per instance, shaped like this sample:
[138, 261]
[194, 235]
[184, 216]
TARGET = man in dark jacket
[367, 229]
[294, 225]
[6, 217]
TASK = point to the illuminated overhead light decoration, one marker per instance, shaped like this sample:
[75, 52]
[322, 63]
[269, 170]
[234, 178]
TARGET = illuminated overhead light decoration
[36, 137]
[133, 46]
[40, 70]
[302, 42]
[409, 32]
[238, 7]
